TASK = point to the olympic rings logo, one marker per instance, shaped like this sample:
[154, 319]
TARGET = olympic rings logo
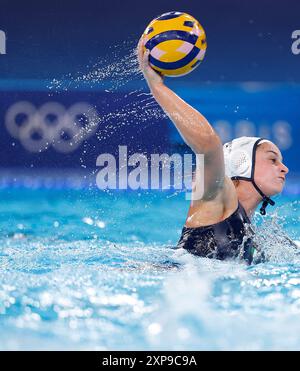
[51, 125]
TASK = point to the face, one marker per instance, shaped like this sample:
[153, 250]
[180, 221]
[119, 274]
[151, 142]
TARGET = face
[270, 171]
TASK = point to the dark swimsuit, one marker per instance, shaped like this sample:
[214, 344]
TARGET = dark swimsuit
[229, 238]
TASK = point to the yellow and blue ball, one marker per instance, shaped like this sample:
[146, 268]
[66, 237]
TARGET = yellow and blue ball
[177, 43]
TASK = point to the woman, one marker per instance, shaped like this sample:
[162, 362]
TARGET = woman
[237, 178]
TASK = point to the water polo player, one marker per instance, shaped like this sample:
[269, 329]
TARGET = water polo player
[237, 178]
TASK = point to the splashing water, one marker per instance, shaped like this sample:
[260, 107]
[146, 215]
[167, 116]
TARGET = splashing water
[272, 238]
[135, 107]
[103, 72]
[76, 274]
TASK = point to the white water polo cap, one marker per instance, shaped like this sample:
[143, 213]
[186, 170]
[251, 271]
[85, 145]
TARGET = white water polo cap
[239, 157]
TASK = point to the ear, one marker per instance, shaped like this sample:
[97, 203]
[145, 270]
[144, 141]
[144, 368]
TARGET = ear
[236, 183]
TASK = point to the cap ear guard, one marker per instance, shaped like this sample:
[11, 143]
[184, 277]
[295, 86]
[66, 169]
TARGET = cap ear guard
[240, 163]
[238, 158]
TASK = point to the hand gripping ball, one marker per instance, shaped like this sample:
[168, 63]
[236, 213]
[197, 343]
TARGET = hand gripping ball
[177, 43]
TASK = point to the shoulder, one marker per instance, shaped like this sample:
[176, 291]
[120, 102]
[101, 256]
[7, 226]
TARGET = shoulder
[206, 212]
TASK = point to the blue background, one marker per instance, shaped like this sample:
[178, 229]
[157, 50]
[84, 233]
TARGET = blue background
[249, 73]
[247, 40]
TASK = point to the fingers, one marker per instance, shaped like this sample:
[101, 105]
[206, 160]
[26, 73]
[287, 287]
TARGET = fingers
[146, 58]
[140, 52]
[143, 56]
[150, 75]
[140, 48]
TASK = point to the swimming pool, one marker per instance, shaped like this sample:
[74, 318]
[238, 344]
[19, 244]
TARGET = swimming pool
[85, 269]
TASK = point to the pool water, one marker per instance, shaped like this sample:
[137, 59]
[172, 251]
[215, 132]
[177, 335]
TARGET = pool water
[85, 269]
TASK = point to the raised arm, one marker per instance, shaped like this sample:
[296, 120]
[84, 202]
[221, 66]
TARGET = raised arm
[191, 124]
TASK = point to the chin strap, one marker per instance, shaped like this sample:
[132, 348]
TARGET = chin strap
[266, 200]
